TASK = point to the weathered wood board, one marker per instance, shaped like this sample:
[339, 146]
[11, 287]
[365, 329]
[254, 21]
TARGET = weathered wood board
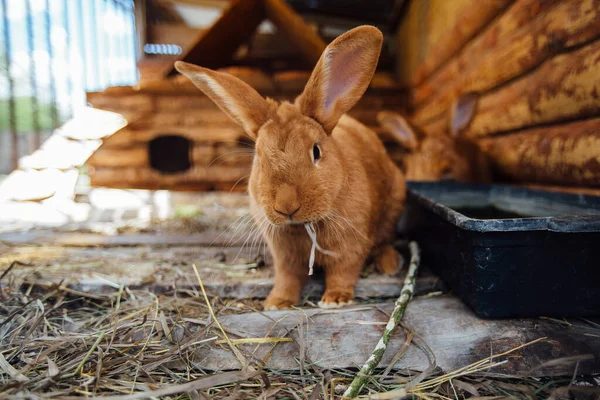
[346, 337]
[527, 34]
[562, 154]
[424, 38]
[152, 179]
[79, 239]
[201, 154]
[227, 272]
[564, 88]
[469, 22]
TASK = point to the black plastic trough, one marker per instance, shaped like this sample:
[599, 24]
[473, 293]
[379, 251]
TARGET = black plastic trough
[508, 251]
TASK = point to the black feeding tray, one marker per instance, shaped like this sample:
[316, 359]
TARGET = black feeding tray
[508, 251]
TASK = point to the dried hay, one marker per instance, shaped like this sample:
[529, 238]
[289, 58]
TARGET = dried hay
[56, 342]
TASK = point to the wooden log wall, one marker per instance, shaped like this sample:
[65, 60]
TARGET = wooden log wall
[220, 155]
[533, 70]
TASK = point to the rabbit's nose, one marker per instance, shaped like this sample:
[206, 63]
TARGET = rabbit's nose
[286, 201]
[286, 214]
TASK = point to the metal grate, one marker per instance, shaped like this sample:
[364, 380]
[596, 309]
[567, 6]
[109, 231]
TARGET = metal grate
[51, 53]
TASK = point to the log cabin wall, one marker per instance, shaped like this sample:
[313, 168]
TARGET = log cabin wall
[528, 69]
[178, 139]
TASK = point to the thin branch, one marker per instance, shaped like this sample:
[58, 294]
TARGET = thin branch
[405, 295]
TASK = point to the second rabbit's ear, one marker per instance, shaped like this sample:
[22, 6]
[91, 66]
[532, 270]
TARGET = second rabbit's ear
[463, 111]
[236, 98]
[341, 76]
[399, 128]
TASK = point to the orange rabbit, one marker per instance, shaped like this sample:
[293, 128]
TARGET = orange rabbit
[434, 157]
[316, 168]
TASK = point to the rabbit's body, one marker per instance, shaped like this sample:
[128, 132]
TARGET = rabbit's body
[316, 167]
[361, 222]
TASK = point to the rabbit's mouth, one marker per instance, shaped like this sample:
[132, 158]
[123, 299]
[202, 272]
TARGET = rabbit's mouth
[294, 220]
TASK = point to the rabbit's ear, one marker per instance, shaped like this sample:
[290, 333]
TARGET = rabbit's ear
[236, 98]
[399, 128]
[463, 111]
[341, 76]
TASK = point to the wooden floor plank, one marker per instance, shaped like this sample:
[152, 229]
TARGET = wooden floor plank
[346, 337]
[227, 272]
[78, 239]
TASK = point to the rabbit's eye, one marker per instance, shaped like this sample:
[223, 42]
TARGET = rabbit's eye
[316, 153]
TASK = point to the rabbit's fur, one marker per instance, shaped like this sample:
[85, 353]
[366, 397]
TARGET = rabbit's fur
[353, 194]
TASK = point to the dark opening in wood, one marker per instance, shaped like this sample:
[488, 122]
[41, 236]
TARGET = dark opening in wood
[170, 154]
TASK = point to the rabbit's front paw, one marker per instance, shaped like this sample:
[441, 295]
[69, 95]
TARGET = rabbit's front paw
[277, 303]
[336, 298]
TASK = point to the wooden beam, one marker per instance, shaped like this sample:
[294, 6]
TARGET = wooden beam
[563, 88]
[132, 177]
[567, 154]
[298, 32]
[434, 30]
[529, 33]
[471, 21]
[215, 47]
[136, 155]
[206, 238]
[130, 137]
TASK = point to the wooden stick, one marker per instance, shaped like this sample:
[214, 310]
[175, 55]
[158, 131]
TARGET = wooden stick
[407, 291]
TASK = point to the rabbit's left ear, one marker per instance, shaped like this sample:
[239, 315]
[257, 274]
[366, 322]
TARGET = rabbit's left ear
[341, 76]
[237, 99]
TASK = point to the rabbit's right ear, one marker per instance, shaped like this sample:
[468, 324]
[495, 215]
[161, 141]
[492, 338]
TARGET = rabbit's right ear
[399, 128]
[341, 76]
[236, 98]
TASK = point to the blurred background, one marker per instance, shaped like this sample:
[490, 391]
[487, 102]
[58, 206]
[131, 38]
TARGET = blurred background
[499, 91]
[54, 51]
[51, 53]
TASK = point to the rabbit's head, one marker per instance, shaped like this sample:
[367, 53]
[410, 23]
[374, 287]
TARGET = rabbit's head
[427, 158]
[298, 169]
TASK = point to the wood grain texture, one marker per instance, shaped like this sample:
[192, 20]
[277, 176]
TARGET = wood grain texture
[132, 136]
[236, 24]
[185, 117]
[469, 23]
[90, 262]
[129, 107]
[203, 154]
[562, 154]
[529, 33]
[345, 338]
[133, 156]
[148, 177]
[564, 88]
[433, 30]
